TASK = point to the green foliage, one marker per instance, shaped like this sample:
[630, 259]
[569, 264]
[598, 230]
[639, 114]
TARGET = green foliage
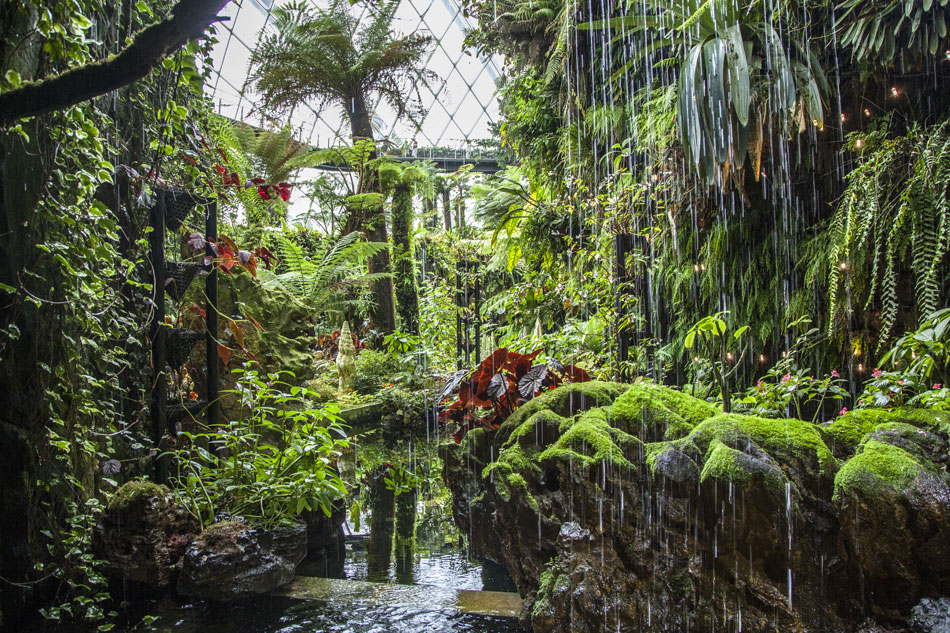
[373, 370]
[710, 337]
[925, 353]
[913, 30]
[321, 278]
[893, 220]
[275, 461]
[329, 55]
[735, 74]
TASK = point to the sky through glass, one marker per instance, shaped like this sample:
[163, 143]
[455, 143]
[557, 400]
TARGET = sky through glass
[461, 104]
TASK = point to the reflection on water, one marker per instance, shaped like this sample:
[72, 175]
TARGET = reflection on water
[282, 615]
[444, 566]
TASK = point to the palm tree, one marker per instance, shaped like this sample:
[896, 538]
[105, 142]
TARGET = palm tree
[328, 56]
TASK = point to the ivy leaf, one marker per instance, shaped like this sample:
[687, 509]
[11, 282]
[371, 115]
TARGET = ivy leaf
[110, 467]
[197, 241]
[530, 384]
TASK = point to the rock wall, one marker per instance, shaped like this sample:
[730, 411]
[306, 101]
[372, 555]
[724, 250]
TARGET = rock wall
[638, 508]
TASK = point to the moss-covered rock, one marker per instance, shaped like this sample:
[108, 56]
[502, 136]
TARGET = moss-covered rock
[590, 438]
[846, 432]
[652, 412]
[564, 401]
[135, 491]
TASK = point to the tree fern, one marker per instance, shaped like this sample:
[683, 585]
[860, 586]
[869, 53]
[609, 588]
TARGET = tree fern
[321, 280]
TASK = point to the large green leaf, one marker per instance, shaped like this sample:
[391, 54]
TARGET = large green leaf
[737, 71]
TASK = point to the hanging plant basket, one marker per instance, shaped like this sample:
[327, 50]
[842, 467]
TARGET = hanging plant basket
[179, 343]
[176, 411]
[178, 277]
[178, 204]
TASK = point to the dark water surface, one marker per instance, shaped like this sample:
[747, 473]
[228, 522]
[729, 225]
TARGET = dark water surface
[286, 615]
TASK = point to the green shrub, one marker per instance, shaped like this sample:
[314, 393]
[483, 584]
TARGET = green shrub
[373, 370]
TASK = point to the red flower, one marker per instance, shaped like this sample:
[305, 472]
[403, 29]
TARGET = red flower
[843, 411]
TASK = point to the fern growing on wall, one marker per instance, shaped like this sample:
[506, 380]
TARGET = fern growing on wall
[893, 221]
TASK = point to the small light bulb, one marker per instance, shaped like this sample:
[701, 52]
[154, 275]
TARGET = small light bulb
[843, 117]
[844, 265]
[702, 266]
[784, 354]
[859, 143]
[729, 356]
[696, 359]
[860, 367]
[867, 112]
[696, 267]
[761, 358]
[894, 91]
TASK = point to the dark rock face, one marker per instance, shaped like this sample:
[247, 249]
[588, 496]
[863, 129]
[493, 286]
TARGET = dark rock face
[638, 508]
[142, 538]
[231, 560]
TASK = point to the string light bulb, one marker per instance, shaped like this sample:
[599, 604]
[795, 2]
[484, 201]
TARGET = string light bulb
[867, 112]
[844, 265]
[894, 91]
[859, 143]
[843, 117]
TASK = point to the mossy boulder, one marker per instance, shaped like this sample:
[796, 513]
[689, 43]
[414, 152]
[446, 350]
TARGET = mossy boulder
[685, 508]
[893, 499]
[142, 536]
[231, 560]
[652, 412]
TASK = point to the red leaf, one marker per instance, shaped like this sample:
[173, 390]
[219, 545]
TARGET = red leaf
[262, 192]
[224, 353]
[573, 373]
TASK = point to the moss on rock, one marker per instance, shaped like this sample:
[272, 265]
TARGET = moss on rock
[849, 430]
[876, 468]
[133, 491]
[654, 412]
[728, 464]
[564, 401]
[786, 440]
[590, 439]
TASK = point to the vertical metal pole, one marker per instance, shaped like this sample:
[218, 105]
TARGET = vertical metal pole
[458, 314]
[159, 397]
[211, 342]
[478, 314]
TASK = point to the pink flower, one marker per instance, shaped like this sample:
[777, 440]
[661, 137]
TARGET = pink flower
[938, 386]
[786, 377]
[835, 374]
[876, 373]
[843, 411]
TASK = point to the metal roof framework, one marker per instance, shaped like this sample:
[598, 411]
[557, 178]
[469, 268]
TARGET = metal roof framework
[461, 105]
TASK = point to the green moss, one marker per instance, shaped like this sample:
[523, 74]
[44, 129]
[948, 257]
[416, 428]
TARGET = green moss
[653, 411]
[515, 480]
[564, 401]
[589, 439]
[728, 464]
[549, 421]
[652, 451]
[786, 440]
[133, 491]
[877, 467]
[850, 429]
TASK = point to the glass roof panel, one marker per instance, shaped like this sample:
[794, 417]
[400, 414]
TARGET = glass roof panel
[461, 103]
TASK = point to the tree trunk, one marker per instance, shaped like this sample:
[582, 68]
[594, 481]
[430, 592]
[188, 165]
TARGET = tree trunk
[447, 209]
[372, 223]
[404, 260]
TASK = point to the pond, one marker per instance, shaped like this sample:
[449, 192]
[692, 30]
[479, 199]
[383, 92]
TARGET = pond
[437, 565]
